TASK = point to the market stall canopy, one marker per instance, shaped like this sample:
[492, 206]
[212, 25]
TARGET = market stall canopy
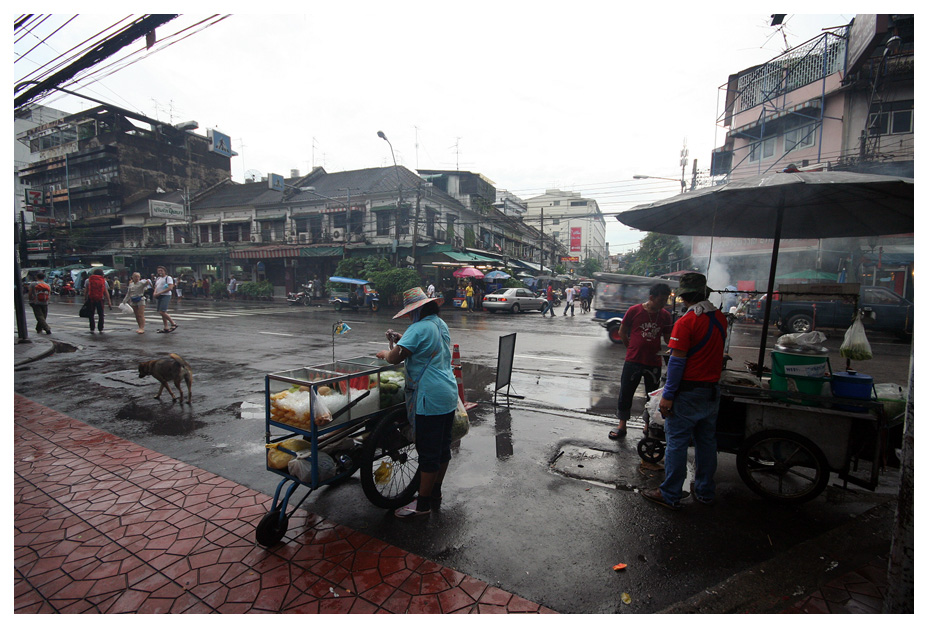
[356, 282]
[468, 271]
[816, 205]
[785, 205]
[497, 274]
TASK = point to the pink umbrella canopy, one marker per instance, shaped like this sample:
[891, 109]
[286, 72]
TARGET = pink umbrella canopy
[468, 271]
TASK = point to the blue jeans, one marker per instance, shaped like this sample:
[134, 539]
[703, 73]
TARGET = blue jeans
[693, 416]
[632, 374]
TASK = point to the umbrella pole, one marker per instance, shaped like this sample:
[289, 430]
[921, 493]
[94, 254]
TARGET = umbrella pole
[770, 280]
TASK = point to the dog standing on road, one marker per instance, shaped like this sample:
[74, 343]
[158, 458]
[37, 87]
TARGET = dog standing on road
[170, 369]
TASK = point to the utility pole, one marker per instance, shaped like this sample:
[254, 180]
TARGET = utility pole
[415, 227]
[542, 237]
[347, 221]
[693, 184]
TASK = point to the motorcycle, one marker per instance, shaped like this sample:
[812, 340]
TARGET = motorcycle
[542, 295]
[368, 297]
[65, 290]
[303, 297]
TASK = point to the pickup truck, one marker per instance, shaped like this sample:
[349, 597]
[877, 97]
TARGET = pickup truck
[884, 310]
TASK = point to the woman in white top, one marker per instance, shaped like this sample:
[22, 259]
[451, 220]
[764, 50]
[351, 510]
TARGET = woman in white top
[135, 297]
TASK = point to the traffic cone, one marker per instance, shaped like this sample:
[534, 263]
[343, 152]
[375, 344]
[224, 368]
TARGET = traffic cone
[459, 376]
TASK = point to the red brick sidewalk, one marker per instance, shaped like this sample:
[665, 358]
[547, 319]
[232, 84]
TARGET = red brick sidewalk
[103, 525]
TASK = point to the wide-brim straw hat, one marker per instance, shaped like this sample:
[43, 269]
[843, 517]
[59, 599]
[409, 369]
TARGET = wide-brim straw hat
[416, 298]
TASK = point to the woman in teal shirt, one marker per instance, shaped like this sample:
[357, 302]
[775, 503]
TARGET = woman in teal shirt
[426, 348]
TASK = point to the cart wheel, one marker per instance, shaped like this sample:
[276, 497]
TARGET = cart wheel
[271, 529]
[783, 466]
[338, 306]
[613, 332]
[390, 463]
[375, 306]
[651, 450]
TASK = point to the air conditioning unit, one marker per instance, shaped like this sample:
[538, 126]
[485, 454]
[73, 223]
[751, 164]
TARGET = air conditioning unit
[357, 237]
[338, 235]
[256, 237]
[305, 237]
[291, 239]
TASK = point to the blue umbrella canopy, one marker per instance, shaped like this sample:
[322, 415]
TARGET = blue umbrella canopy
[497, 274]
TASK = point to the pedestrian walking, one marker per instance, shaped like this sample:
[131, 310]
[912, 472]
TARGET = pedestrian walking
[690, 400]
[95, 293]
[39, 293]
[206, 287]
[569, 298]
[135, 297]
[164, 284]
[549, 302]
[585, 298]
[430, 293]
[426, 349]
[117, 287]
[233, 286]
[469, 294]
[641, 331]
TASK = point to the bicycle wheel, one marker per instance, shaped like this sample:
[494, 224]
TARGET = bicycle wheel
[390, 463]
[783, 466]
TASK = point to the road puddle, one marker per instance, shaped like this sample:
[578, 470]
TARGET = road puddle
[614, 469]
[164, 419]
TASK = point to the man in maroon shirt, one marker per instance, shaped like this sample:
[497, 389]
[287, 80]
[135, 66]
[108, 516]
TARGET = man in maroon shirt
[641, 331]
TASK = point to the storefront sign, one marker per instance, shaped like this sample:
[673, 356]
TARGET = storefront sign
[162, 209]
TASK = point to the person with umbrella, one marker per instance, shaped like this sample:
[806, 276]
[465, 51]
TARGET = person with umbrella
[690, 399]
[432, 391]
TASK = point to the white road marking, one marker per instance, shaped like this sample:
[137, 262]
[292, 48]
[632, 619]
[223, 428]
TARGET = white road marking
[272, 333]
[542, 357]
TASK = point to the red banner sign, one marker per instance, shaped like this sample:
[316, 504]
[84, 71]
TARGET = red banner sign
[575, 238]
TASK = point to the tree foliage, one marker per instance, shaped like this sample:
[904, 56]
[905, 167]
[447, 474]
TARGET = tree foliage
[589, 266]
[655, 256]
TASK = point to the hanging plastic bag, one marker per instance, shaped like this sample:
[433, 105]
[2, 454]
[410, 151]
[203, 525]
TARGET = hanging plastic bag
[461, 425]
[653, 406]
[855, 345]
[302, 467]
[125, 308]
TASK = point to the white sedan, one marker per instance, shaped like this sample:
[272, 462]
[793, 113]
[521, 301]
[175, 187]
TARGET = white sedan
[512, 300]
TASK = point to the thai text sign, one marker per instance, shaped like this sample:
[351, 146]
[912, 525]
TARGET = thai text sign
[575, 238]
[162, 209]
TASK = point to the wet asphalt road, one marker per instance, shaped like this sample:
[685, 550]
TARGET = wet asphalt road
[538, 500]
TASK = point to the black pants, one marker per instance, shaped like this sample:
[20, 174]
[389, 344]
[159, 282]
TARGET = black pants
[632, 374]
[96, 307]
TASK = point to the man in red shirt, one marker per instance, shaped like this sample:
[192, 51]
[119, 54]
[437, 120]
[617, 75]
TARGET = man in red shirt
[39, 292]
[96, 291]
[641, 331]
[690, 399]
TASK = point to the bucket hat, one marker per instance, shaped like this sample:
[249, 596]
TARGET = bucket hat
[415, 298]
[693, 283]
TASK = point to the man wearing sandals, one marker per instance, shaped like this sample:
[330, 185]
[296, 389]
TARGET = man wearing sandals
[164, 284]
[690, 400]
[641, 331]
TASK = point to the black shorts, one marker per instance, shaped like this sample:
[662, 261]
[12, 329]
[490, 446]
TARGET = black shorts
[433, 440]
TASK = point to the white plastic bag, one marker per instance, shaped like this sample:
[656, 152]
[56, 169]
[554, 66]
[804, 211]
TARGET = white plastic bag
[855, 345]
[653, 406]
[808, 339]
[302, 466]
[125, 308]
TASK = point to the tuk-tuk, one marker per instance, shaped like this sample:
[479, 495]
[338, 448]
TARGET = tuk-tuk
[616, 293]
[358, 294]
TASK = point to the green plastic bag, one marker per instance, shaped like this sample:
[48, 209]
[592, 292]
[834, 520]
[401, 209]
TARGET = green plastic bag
[855, 345]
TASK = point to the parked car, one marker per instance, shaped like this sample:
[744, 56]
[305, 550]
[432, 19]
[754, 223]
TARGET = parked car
[512, 300]
[884, 310]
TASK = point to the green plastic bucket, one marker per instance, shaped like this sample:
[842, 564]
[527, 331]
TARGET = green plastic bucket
[808, 371]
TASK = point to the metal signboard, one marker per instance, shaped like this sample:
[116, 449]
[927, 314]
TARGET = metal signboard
[275, 182]
[163, 209]
[219, 143]
[576, 238]
[35, 197]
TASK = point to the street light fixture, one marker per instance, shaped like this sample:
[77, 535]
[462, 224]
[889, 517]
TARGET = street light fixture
[399, 186]
[681, 181]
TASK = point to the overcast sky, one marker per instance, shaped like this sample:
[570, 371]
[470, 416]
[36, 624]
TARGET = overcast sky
[578, 96]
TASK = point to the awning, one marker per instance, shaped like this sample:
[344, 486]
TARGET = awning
[381, 208]
[271, 218]
[267, 252]
[469, 257]
[227, 221]
[321, 251]
[207, 221]
[155, 223]
[136, 226]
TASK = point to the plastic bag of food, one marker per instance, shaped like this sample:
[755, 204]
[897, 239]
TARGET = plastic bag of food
[302, 467]
[461, 425]
[808, 339]
[277, 459]
[855, 345]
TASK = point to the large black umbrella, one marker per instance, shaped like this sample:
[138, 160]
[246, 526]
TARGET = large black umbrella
[785, 205]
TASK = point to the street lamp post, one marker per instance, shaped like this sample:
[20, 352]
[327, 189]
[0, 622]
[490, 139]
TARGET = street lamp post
[681, 180]
[399, 186]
